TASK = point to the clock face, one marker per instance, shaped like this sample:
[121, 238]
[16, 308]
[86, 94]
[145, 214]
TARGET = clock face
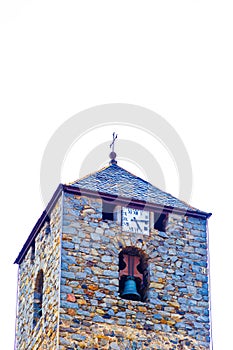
[135, 220]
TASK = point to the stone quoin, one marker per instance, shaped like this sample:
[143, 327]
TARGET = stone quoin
[102, 242]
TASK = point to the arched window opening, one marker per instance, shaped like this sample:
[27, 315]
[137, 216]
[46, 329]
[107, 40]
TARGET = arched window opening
[38, 297]
[133, 274]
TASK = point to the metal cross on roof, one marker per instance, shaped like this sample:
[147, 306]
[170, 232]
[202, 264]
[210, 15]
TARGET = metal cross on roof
[114, 137]
[112, 155]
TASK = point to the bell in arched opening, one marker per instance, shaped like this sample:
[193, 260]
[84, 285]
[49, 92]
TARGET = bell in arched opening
[131, 279]
[130, 289]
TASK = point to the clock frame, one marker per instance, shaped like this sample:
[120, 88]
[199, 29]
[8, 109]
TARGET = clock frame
[135, 220]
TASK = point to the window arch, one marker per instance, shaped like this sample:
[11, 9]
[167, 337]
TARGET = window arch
[38, 297]
[133, 274]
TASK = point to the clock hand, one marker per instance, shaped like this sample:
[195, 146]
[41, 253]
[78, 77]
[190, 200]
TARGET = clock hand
[140, 220]
[134, 219]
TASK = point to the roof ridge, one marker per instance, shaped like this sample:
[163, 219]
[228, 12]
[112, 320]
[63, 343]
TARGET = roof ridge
[90, 174]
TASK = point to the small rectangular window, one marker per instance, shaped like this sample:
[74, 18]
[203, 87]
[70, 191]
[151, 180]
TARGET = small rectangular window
[47, 228]
[108, 211]
[160, 221]
[33, 251]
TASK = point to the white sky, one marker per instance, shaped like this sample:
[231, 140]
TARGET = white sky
[61, 57]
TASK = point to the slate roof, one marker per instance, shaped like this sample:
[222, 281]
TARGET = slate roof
[116, 181]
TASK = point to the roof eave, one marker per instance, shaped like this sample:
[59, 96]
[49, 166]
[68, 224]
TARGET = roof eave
[39, 224]
[135, 202]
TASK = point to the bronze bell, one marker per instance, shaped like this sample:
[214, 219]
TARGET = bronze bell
[130, 289]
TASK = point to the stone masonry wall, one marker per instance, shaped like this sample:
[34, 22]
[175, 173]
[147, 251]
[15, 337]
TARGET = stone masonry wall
[43, 335]
[92, 314]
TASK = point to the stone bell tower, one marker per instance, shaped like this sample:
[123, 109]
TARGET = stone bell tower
[114, 263]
